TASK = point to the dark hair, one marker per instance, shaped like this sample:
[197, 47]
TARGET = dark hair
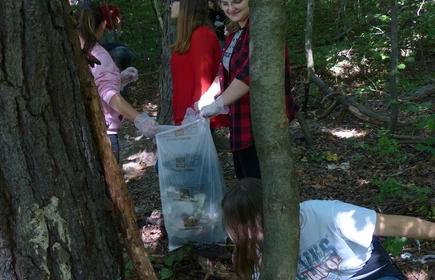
[216, 6]
[243, 217]
[88, 17]
[193, 14]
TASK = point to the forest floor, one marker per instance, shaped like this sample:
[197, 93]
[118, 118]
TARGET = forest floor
[343, 164]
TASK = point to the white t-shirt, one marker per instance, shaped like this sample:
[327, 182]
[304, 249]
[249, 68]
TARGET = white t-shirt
[229, 51]
[335, 240]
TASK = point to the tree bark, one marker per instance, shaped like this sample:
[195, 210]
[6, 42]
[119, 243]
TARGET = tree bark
[272, 139]
[393, 69]
[309, 52]
[165, 98]
[156, 8]
[124, 206]
[57, 215]
[54, 224]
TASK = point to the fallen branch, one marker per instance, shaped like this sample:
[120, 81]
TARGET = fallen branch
[354, 107]
[423, 92]
[328, 110]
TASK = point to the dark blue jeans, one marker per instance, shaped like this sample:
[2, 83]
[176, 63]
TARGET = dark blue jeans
[115, 145]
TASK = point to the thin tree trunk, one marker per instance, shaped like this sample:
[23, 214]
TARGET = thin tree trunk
[309, 52]
[165, 98]
[341, 15]
[158, 12]
[393, 71]
[272, 139]
[124, 206]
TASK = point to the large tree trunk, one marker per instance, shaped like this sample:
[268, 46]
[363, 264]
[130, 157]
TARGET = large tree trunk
[52, 192]
[270, 124]
[55, 214]
[165, 97]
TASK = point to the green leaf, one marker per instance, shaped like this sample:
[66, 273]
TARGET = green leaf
[151, 257]
[129, 265]
[413, 108]
[188, 247]
[170, 260]
[401, 66]
[420, 147]
[395, 245]
[180, 256]
[317, 157]
[426, 104]
[430, 141]
[166, 273]
[431, 124]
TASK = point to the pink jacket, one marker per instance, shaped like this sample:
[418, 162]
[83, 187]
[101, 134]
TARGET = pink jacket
[108, 81]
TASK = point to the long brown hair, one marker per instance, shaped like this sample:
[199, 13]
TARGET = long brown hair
[193, 14]
[243, 217]
[88, 17]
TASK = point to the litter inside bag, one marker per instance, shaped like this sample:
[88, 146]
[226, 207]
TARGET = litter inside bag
[192, 185]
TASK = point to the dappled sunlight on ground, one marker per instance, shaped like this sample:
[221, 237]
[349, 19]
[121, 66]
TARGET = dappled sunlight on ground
[345, 133]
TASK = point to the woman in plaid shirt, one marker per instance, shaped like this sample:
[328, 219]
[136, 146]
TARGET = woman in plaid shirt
[232, 87]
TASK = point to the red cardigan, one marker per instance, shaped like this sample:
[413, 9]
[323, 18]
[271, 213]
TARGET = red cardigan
[193, 72]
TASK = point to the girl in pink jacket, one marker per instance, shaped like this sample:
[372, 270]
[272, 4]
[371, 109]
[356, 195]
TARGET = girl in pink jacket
[108, 79]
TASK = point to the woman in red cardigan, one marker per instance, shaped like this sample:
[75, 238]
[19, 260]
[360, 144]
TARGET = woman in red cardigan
[195, 59]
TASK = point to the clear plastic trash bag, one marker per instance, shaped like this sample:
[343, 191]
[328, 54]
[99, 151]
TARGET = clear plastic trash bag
[192, 185]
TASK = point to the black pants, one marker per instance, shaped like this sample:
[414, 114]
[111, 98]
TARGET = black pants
[246, 163]
[380, 258]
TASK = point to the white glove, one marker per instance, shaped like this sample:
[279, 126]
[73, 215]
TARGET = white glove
[190, 116]
[206, 99]
[129, 75]
[215, 108]
[145, 125]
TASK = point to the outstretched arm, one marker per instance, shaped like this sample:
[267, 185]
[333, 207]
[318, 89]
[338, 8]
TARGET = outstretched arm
[393, 225]
[118, 103]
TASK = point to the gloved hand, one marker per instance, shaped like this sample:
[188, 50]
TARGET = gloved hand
[190, 116]
[145, 125]
[129, 75]
[215, 108]
[206, 99]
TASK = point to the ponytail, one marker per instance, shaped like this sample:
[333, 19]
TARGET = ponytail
[88, 17]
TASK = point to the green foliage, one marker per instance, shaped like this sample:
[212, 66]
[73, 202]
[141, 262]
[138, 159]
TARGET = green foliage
[141, 32]
[394, 245]
[389, 186]
[395, 188]
[128, 268]
[367, 42]
[151, 257]
[318, 157]
[167, 272]
[387, 146]
[427, 121]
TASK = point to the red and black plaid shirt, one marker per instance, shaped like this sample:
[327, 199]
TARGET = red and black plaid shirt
[241, 135]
